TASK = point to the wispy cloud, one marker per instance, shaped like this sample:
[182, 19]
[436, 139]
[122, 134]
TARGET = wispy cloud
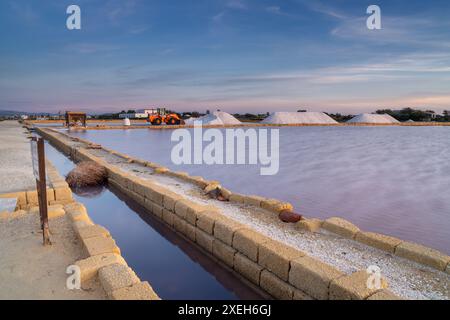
[326, 10]
[116, 10]
[237, 4]
[139, 29]
[24, 11]
[90, 48]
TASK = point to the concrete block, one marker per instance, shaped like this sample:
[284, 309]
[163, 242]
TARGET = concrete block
[276, 205]
[137, 198]
[32, 198]
[313, 276]
[60, 184]
[198, 181]
[20, 196]
[276, 257]
[179, 224]
[100, 245]
[92, 231]
[384, 295]
[78, 215]
[341, 227]
[247, 268]
[238, 198]
[116, 276]
[63, 194]
[170, 199]
[225, 193]
[160, 170]
[379, 241]
[247, 241]
[193, 210]
[300, 295]
[90, 266]
[224, 252]
[422, 255]
[63, 202]
[204, 240]
[55, 211]
[81, 224]
[50, 195]
[253, 200]
[167, 217]
[190, 231]
[181, 208]
[157, 210]
[206, 220]
[225, 228]
[155, 193]
[148, 205]
[276, 287]
[353, 287]
[74, 206]
[309, 225]
[138, 291]
[140, 186]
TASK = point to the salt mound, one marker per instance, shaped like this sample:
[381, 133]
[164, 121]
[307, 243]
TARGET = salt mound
[216, 118]
[373, 118]
[299, 118]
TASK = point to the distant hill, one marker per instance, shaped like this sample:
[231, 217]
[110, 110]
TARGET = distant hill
[8, 113]
[12, 113]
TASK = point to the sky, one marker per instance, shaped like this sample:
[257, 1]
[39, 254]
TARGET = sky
[232, 55]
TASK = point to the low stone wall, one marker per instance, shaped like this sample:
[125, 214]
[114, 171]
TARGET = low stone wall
[103, 260]
[58, 192]
[282, 271]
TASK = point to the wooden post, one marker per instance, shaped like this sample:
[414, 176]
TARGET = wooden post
[41, 186]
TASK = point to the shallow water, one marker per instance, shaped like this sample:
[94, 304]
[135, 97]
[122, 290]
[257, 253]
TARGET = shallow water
[174, 268]
[392, 180]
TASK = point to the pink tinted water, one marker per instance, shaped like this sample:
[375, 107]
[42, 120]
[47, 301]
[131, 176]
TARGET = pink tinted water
[392, 180]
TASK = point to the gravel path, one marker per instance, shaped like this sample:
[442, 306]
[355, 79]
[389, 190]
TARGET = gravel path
[28, 270]
[16, 171]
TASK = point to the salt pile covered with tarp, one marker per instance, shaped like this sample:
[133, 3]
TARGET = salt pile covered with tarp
[215, 118]
[299, 118]
[373, 118]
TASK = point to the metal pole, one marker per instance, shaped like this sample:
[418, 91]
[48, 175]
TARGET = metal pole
[42, 192]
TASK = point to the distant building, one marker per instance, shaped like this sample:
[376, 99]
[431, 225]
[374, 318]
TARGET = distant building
[139, 114]
[24, 117]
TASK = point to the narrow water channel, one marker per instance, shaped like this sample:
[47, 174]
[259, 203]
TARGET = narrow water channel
[173, 266]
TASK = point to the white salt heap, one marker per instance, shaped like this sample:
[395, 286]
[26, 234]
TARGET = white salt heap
[216, 118]
[299, 118]
[373, 118]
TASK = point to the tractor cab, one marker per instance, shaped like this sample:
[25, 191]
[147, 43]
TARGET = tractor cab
[160, 115]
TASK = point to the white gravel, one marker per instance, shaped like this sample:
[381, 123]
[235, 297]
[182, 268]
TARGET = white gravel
[373, 118]
[299, 118]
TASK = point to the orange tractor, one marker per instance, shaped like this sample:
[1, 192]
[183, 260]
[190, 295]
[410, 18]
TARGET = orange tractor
[160, 115]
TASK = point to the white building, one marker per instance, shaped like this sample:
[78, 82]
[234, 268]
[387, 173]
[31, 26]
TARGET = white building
[139, 114]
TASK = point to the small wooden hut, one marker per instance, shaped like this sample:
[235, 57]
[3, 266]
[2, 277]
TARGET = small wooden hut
[75, 119]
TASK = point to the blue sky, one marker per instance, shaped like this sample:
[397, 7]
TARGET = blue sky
[236, 55]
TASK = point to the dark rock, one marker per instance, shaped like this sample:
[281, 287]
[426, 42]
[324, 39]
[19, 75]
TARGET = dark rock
[289, 216]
